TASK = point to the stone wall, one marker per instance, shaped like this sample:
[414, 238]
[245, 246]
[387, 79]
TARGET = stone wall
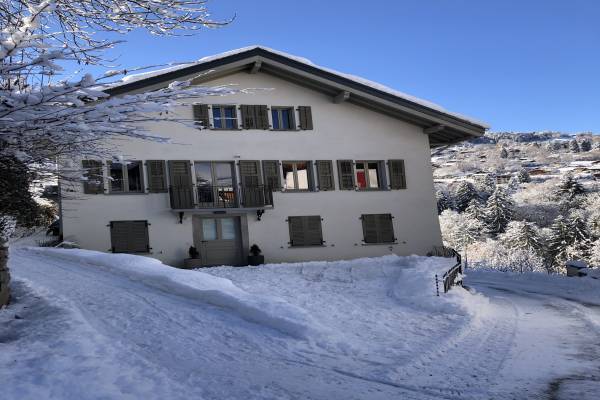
[4, 277]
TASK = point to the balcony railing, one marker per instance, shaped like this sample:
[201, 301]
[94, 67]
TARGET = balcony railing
[219, 197]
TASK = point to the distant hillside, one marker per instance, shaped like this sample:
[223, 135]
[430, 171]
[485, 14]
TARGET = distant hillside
[521, 201]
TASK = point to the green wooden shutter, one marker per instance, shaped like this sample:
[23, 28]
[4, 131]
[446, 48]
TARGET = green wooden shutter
[296, 225]
[313, 231]
[305, 114]
[271, 173]
[346, 174]
[369, 222]
[201, 115]
[262, 117]
[378, 228]
[93, 172]
[382, 176]
[181, 189]
[248, 116]
[253, 194]
[397, 174]
[385, 228]
[129, 237]
[311, 176]
[305, 231]
[325, 175]
[157, 176]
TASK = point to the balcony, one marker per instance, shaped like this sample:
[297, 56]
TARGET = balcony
[220, 197]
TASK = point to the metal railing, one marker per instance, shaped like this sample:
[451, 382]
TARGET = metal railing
[217, 197]
[452, 277]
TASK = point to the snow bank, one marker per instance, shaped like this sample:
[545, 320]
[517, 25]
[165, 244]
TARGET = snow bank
[266, 310]
[416, 287]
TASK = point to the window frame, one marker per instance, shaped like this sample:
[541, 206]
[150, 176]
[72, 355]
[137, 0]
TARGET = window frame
[381, 178]
[222, 107]
[391, 219]
[125, 177]
[310, 176]
[292, 117]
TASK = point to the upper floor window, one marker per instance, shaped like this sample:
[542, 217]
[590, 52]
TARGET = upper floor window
[224, 117]
[126, 177]
[297, 175]
[369, 175]
[93, 180]
[283, 118]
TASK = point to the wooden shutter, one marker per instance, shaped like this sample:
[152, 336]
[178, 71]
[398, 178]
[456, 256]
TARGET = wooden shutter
[346, 174]
[397, 174]
[201, 115]
[378, 228]
[93, 172]
[369, 222]
[255, 116]
[262, 117]
[385, 228]
[157, 176]
[250, 180]
[311, 176]
[305, 231]
[325, 175]
[248, 116]
[129, 237]
[181, 190]
[305, 114]
[271, 173]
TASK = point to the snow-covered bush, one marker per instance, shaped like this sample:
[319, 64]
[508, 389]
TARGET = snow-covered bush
[493, 254]
[459, 230]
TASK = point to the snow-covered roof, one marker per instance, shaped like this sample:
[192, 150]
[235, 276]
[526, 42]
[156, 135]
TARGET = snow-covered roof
[130, 79]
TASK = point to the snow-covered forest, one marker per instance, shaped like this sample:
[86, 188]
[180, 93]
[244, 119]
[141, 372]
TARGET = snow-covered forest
[521, 201]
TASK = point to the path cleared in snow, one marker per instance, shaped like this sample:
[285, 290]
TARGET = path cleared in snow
[98, 326]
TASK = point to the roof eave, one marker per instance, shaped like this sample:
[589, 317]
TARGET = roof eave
[455, 129]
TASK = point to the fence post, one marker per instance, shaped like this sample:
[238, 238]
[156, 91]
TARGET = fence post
[437, 286]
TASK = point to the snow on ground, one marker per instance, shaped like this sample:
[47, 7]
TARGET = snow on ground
[98, 326]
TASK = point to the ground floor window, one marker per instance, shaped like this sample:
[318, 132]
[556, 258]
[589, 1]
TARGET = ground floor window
[305, 231]
[129, 237]
[378, 228]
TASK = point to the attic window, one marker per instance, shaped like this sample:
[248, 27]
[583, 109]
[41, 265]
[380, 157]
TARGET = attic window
[224, 117]
[283, 118]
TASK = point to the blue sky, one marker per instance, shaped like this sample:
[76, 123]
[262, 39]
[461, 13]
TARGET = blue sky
[518, 65]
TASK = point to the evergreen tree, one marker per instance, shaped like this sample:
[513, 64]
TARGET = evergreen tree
[558, 240]
[513, 184]
[475, 209]
[574, 146]
[523, 235]
[465, 192]
[503, 153]
[498, 212]
[569, 188]
[443, 201]
[487, 186]
[569, 238]
[523, 176]
[586, 144]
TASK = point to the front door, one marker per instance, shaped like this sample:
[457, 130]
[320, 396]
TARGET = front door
[218, 239]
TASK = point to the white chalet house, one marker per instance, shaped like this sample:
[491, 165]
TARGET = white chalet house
[321, 166]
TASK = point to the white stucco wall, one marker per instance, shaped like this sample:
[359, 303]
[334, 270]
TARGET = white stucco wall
[341, 131]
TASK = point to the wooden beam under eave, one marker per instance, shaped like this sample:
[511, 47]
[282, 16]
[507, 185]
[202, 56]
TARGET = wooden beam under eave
[434, 129]
[341, 97]
[256, 67]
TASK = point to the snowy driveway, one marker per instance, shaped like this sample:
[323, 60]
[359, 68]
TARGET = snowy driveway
[89, 334]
